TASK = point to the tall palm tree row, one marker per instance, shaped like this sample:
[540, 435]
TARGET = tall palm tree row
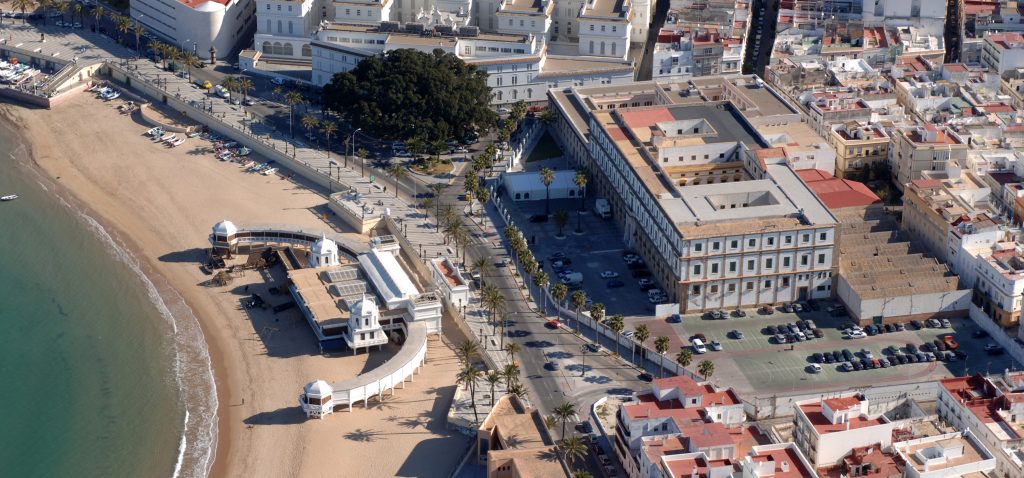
[580, 180]
[493, 378]
[547, 176]
[468, 377]
[565, 413]
[328, 128]
[572, 449]
[397, 172]
[579, 299]
[661, 346]
[642, 334]
[617, 323]
[293, 98]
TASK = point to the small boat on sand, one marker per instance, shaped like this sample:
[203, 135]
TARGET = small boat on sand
[9, 197]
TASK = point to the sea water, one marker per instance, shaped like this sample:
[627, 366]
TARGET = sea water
[98, 378]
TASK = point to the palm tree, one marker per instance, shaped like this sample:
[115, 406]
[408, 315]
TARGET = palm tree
[397, 172]
[617, 323]
[661, 346]
[437, 189]
[174, 55]
[245, 85]
[63, 8]
[550, 421]
[512, 349]
[642, 334]
[541, 279]
[572, 449]
[493, 301]
[23, 5]
[558, 292]
[579, 299]
[468, 378]
[466, 350]
[328, 128]
[293, 98]
[706, 369]
[230, 83]
[45, 4]
[138, 30]
[276, 91]
[78, 10]
[482, 266]
[580, 179]
[561, 219]
[309, 122]
[547, 116]
[517, 389]
[97, 14]
[597, 313]
[510, 374]
[564, 413]
[493, 379]
[581, 474]
[547, 176]
[685, 357]
[189, 60]
[123, 25]
[461, 237]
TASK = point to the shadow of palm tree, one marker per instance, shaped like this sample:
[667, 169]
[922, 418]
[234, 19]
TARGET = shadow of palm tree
[361, 435]
[413, 423]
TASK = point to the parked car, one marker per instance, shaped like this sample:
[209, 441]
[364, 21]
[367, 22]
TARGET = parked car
[917, 324]
[828, 357]
[771, 330]
[675, 319]
[553, 324]
[646, 377]
[857, 365]
[781, 339]
[609, 275]
[817, 333]
[716, 346]
[939, 345]
[628, 334]
[814, 368]
[736, 334]
[900, 327]
[819, 357]
[993, 349]
[837, 356]
[934, 323]
[698, 346]
[946, 324]
[847, 367]
[739, 313]
[911, 348]
[854, 334]
[552, 366]
[847, 354]
[766, 310]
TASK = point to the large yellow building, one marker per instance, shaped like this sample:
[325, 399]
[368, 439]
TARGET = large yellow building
[858, 145]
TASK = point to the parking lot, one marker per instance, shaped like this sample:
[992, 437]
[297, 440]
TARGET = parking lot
[597, 249]
[758, 364]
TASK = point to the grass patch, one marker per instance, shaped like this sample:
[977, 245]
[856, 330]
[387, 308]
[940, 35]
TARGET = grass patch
[432, 168]
[546, 148]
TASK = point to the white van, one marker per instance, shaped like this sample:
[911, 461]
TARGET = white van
[698, 346]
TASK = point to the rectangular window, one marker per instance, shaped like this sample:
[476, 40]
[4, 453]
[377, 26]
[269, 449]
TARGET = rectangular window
[806, 238]
[804, 260]
[714, 268]
[731, 288]
[750, 265]
[771, 241]
[732, 266]
[788, 240]
[768, 263]
[698, 246]
[822, 236]
[821, 258]
[714, 246]
[696, 269]
[734, 244]
[714, 289]
[751, 243]
[750, 286]
[785, 261]
[696, 289]
[767, 284]
[785, 282]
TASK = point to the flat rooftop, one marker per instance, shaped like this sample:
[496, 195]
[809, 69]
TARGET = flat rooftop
[606, 9]
[822, 425]
[566, 65]
[325, 291]
[920, 454]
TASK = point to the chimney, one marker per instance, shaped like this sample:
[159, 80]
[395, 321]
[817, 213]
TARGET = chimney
[785, 466]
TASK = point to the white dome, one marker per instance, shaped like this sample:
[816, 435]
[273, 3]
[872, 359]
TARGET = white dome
[364, 307]
[324, 246]
[225, 228]
[318, 389]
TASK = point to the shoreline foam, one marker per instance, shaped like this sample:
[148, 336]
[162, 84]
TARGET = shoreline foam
[200, 456]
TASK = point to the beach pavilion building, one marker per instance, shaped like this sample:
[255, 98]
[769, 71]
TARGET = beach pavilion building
[354, 297]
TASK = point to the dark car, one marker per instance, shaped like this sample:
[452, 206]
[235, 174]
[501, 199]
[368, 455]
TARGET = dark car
[927, 347]
[912, 348]
[646, 377]
[901, 358]
[584, 427]
[866, 364]
[911, 358]
[993, 349]
[771, 330]
[917, 324]
[857, 365]
[817, 333]
[940, 344]
[736, 334]
[848, 355]
[889, 328]
[960, 354]
[739, 313]
[615, 284]
[675, 318]
[828, 357]
[552, 366]
[900, 327]
[819, 357]
[838, 356]
[922, 357]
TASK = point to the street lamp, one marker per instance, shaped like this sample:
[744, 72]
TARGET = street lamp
[583, 350]
[352, 145]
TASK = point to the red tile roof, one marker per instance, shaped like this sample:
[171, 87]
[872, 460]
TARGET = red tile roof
[649, 407]
[645, 117]
[788, 455]
[837, 193]
[842, 403]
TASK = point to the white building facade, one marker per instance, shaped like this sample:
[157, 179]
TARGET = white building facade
[198, 25]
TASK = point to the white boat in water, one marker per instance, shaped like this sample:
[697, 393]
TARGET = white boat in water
[9, 197]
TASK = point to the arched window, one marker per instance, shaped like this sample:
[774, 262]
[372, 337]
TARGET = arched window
[499, 96]
[529, 92]
[307, 50]
[602, 48]
[613, 49]
[267, 48]
[515, 94]
[279, 29]
[591, 47]
[288, 50]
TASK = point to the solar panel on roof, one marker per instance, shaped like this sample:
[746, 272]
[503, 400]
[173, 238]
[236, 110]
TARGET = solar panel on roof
[349, 288]
[342, 275]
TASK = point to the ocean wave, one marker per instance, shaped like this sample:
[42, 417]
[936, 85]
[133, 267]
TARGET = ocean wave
[192, 364]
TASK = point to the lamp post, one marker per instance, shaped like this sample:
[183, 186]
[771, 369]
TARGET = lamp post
[352, 145]
[583, 351]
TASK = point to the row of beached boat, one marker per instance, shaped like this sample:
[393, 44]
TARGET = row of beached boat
[105, 93]
[158, 135]
[15, 74]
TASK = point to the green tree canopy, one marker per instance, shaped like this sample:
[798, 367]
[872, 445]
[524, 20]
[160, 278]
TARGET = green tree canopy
[410, 94]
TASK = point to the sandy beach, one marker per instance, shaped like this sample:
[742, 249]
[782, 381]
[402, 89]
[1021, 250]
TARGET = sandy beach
[161, 203]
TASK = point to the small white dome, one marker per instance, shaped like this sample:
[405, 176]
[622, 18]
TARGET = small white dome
[365, 306]
[225, 228]
[318, 389]
[324, 246]
[210, 7]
